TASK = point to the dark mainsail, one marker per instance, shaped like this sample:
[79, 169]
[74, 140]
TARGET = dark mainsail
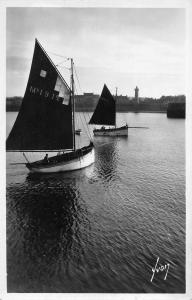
[45, 118]
[105, 111]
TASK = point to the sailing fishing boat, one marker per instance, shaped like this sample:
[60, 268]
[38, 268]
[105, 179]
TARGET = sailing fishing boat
[105, 114]
[46, 120]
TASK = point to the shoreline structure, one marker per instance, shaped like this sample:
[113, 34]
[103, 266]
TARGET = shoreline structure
[88, 101]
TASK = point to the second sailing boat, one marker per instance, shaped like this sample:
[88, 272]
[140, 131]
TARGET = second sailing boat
[105, 114]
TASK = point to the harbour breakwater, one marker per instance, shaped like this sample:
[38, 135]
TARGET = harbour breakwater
[176, 110]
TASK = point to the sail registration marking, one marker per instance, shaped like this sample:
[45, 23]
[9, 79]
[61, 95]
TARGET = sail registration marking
[63, 91]
[43, 73]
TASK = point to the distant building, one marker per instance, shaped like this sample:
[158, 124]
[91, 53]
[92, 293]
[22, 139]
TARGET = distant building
[88, 94]
[137, 94]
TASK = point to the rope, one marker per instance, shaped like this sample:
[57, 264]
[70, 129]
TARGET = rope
[62, 67]
[61, 63]
[86, 128]
[138, 127]
[66, 58]
[26, 158]
[80, 89]
[86, 122]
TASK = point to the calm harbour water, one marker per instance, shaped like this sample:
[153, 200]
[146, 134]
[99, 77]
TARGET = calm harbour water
[101, 229]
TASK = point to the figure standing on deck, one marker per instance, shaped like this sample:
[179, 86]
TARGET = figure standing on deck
[46, 159]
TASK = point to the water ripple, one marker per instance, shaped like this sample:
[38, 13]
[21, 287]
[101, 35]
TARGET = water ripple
[101, 229]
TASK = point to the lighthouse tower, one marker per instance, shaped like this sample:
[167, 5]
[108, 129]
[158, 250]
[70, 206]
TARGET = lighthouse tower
[137, 94]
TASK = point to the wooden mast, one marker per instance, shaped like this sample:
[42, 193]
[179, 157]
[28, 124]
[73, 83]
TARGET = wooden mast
[73, 105]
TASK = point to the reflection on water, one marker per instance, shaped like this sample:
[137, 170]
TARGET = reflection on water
[53, 217]
[106, 158]
[46, 217]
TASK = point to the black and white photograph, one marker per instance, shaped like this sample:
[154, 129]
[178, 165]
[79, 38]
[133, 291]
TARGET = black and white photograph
[96, 164]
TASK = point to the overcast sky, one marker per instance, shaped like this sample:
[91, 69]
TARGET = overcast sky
[121, 47]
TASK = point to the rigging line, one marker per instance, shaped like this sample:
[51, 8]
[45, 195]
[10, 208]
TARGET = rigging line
[86, 127]
[89, 117]
[139, 127]
[26, 158]
[60, 62]
[78, 137]
[77, 79]
[77, 99]
[83, 113]
[86, 122]
[59, 55]
[50, 60]
[17, 163]
[62, 67]
[80, 86]
[77, 121]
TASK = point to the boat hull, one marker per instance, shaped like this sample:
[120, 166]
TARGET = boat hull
[121, 131]
[76, 163]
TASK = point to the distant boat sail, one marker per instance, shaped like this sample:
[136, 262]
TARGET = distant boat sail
[46, 119]
[105, 114]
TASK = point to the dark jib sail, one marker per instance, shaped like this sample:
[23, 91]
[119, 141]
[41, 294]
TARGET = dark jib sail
[45, 118]
[105, 111]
